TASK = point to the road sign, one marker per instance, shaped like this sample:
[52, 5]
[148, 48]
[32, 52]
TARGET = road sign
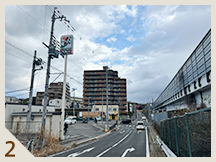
[67, 44]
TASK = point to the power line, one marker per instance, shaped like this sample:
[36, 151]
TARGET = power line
[17, 57]
[18, 90]
[74, 31]
[18, 48]
[32, 56]
[33, 18]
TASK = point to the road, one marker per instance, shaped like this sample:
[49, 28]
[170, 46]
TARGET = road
[126, 142]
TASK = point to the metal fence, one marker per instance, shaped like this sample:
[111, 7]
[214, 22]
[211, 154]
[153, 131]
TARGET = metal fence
[188, 135]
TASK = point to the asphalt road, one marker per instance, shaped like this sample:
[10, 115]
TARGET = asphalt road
[125, 142]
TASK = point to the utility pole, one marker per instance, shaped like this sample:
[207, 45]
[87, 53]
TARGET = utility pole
[119, 108]
[88, 108]
[47, 78]
[107, 96]
[35, 62]
[102, 106]
[52, 52]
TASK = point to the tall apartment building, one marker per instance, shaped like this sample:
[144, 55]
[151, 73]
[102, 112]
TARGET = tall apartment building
[55, 91]
[94, 86]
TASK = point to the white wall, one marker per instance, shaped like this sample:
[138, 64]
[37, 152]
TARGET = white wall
[52, 125]
[11, 108]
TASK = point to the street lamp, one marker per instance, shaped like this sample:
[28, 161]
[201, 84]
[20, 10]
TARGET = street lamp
[88, 107]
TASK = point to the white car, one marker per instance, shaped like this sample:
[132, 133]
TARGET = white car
[140, 125]
[70, 120]
[143, 118]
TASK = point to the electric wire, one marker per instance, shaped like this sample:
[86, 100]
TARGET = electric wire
[18, 57]
[32, 56]
[18, 90]
[32, 17]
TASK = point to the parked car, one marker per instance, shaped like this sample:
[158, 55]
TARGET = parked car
[140, 125]
[71, 120]
[126, 121]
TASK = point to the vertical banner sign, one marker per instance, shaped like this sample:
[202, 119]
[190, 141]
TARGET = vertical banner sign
[67, 44]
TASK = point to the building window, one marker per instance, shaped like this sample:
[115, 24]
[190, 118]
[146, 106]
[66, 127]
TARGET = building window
[97, 109]
[114, 109]
[110, 109]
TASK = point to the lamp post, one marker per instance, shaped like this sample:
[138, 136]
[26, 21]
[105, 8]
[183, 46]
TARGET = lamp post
[102, 106]
[88, 107]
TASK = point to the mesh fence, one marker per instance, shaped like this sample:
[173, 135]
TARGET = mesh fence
[188, 135]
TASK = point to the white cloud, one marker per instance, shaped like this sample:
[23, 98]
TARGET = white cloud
[111, 40]
[170, 34]
[131, 38]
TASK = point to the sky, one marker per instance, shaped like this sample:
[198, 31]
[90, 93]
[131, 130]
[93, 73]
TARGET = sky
[146, 44]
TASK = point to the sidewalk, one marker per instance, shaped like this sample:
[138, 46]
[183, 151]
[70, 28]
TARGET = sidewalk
[155, 149]
[81, 139]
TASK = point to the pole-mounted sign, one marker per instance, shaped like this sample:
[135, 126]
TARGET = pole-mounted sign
[67, 44]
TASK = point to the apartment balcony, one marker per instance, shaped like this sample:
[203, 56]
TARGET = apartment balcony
[123, 103]
[87, 77]
[97, 103]
[101, 81]
[40, 95]
[122, 90]
[101, 73]
[123, 98]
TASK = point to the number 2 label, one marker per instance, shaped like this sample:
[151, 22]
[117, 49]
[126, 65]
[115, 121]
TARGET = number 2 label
[8, 153]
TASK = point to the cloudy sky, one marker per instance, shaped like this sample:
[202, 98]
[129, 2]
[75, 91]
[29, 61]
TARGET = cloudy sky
[147, 45]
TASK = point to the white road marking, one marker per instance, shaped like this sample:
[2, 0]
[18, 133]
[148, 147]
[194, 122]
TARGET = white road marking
[139, 131]
[122, 131]
[126, 151]
[79, 153]
[114, 145]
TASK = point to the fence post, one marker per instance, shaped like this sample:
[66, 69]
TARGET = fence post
[176, 133]
[161, 132]
[188, 134]
[169, 133]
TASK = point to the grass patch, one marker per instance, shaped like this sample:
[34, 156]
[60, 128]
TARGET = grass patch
[51, 146]
[151, 138]
[74, 144]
